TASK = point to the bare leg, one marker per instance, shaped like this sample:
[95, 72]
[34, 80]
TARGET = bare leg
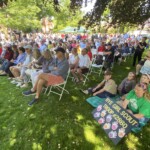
[40, 85]
[74, 74]
[79, 71]
[41, 81]
[15, 72]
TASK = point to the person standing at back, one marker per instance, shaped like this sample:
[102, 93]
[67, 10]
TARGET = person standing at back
[139, 50]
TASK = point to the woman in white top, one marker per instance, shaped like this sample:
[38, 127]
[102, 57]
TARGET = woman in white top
[73, 59]
[83, 66]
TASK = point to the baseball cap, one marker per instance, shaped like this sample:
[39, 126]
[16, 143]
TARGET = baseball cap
[28, 47]
[60, 49]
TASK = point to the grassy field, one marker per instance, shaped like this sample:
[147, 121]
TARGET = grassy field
[65, 125]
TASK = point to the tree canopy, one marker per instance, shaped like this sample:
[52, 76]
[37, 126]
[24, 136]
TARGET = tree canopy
[120, 12]
[26, 15]
[68, 12]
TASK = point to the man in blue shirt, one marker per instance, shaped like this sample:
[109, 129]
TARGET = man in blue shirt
[82, 44]
[58, 73]
[43, 46]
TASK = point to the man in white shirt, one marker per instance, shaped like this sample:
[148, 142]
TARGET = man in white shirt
[83, 66]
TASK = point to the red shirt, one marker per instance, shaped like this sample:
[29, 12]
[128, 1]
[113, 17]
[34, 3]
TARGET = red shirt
[90, 54]
[0, 51]
[101, 49]
[8, 55]
[63, 36]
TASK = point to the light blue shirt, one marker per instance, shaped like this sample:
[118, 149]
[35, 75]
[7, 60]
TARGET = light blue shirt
[97, 44]
[20, 59]
[82, 45]
[42, 48]
[62, 65]
[28, 59]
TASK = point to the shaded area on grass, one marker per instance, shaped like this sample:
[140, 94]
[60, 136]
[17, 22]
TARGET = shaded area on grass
[52, 124]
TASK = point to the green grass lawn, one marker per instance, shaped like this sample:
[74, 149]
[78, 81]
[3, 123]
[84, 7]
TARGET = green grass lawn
[67, 124]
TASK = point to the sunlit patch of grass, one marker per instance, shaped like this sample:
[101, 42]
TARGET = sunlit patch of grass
[52, 124]
[128, 68]
[90, 136]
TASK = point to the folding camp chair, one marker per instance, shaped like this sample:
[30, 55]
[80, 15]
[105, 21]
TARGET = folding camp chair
[60, 87]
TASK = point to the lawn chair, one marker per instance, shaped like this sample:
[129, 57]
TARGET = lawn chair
[60, 87]
[87, 74]
[98, 67]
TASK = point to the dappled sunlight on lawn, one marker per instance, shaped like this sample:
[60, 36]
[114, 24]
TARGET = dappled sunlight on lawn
[79, 117]
[36, 146]
[75, 98]
[132, 141]
[53, 129]
[128, 68]
[90, 135]
[52, 124]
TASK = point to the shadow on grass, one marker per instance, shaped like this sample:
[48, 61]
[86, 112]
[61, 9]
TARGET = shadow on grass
[52, 124]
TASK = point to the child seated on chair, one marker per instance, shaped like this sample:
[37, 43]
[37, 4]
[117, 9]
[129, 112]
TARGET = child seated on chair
[83, 66]
[107, 88]
[127, 84]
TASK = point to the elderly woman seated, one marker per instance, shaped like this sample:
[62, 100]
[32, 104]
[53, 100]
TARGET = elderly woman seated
[107, 88]
[41, 66]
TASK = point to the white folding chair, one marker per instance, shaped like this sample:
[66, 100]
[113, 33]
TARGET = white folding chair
[87, 74]
[60, 87]
[98, 67]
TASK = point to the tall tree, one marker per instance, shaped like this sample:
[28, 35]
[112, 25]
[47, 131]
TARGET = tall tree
[20, 14]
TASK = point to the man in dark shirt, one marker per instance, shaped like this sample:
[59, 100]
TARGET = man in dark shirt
[139, 51]
[109, 56]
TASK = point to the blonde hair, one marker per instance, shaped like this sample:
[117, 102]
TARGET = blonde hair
[48, 54]
[36, 54]
[147, 95]
[144, 86]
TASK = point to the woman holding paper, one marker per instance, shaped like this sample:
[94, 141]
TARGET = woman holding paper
[138, 101]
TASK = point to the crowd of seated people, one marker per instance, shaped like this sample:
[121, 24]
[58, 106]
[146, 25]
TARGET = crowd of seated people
[46, 64]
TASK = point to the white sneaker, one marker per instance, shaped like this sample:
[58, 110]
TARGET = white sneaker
[24, 85]
[10, 78]
[19, 84]
[14, 82]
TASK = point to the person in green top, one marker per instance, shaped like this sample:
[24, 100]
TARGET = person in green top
[138, 101]
[145, 78]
